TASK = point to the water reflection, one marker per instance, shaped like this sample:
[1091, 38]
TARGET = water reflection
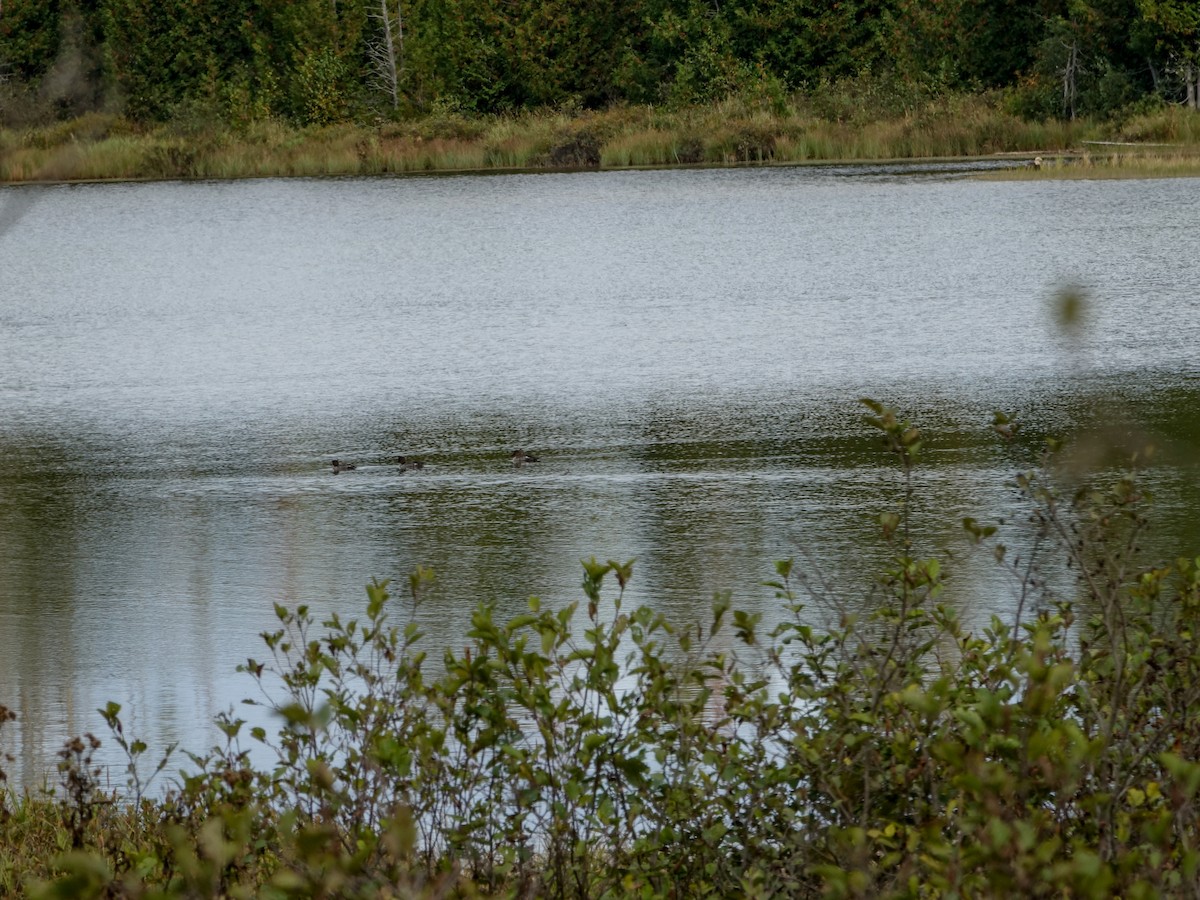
[150, 588]
[683, 350]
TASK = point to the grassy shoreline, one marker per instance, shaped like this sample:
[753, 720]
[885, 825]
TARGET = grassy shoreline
[104, 147]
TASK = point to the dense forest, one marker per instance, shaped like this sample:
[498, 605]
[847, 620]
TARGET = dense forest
[317, 61]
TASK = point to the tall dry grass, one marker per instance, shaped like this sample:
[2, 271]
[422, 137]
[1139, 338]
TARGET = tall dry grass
[820, 125]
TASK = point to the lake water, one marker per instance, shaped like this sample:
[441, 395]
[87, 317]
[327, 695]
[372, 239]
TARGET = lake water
[180, 362]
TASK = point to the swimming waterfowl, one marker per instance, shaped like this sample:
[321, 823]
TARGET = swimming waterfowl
[339, 466]
[520, 457]
[405, 463]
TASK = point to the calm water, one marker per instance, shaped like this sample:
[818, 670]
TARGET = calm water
[179, 363]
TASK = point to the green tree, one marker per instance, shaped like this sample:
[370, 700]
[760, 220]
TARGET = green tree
[1174, 26]
[802, 42]
[1083, 63]
[455, 53]
[295, 57]
[568, 50]
[153, 53]
[309, 57]
[926, 42]
[687, 53]
[29, 33]
[1000, 37]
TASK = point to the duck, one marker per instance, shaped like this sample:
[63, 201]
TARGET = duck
[406, 464]
[520, 457]
[339, 466]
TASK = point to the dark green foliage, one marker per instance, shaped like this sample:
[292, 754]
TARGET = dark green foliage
[50, 60]
[281, 57]
[799, 42]
[154, 54]
[455, 56]
[565, 50]
[317, 61]
[29, 34]
[1000, 37]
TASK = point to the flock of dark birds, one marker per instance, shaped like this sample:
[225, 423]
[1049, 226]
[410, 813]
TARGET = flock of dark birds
[412, 463]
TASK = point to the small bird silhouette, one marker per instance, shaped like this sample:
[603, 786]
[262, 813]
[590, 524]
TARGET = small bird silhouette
[520, 457]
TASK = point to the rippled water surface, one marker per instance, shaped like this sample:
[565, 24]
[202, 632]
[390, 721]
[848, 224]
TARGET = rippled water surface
[180, 362]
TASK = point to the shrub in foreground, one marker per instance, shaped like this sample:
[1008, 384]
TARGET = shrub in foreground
[604, 752]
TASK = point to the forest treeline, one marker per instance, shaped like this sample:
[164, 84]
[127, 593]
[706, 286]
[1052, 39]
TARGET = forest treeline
[319, 61]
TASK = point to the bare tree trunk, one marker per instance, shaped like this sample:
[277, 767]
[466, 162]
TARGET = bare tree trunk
[387, 51]
[1070, 73]
[1194, 77]
[389, 60]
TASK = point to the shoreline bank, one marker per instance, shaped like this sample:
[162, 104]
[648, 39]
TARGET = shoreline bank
[100, 147]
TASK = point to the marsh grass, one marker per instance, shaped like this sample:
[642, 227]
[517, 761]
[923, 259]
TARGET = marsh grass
[1111, 162]
[1174, 124]
[826, 124]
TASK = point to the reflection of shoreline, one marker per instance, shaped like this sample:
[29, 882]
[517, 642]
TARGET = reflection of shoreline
[163, 588]
[16, 204]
